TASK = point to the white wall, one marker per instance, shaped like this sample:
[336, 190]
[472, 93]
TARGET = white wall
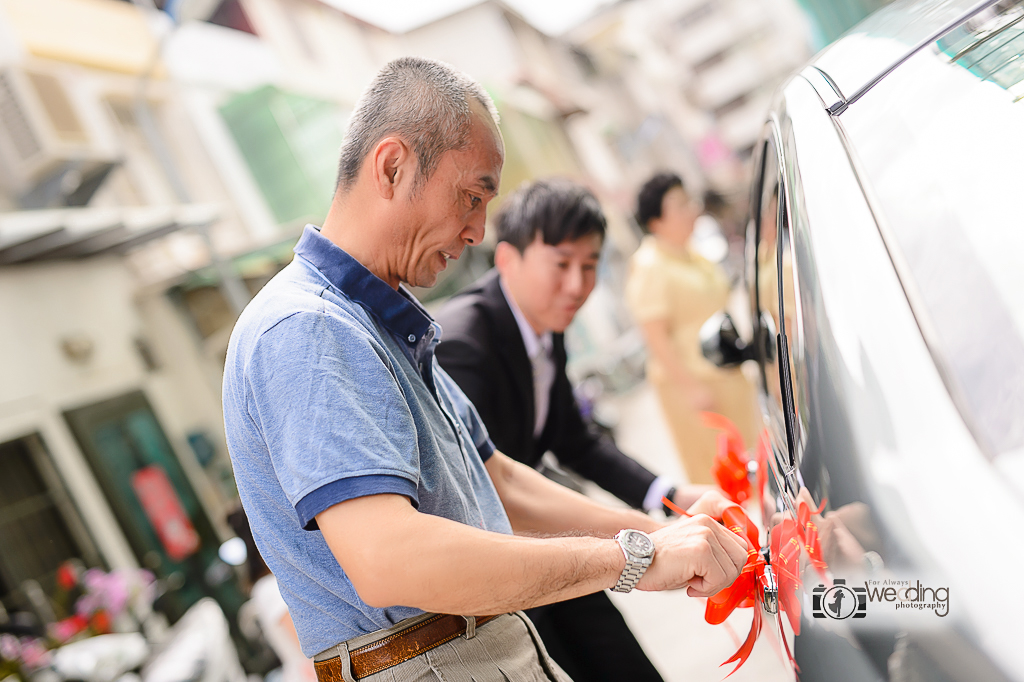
[93, 300]
[477, 40]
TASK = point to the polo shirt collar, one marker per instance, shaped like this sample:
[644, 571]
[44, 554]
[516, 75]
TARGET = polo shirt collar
[398, 311]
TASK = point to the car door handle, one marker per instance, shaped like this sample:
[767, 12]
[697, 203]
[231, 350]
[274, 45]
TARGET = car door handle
[770, 588]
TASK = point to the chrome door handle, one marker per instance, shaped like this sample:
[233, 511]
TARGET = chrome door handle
[771, 591]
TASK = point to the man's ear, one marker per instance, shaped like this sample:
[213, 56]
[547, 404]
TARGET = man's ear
[505, 257]
[392, 163]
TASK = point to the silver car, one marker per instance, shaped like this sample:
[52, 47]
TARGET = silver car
[885, 263]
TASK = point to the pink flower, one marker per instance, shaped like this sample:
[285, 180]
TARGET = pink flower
[87, 604]
[10, 648]
[34, 654]
[114, 591]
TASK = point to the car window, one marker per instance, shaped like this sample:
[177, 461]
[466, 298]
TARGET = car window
[885, 37]
[941, 144]
[989, 45]
[772, 258]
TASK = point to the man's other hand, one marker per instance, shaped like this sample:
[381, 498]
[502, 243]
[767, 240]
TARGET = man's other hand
[713, 503]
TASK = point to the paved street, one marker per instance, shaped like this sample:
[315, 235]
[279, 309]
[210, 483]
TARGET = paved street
[671, 626]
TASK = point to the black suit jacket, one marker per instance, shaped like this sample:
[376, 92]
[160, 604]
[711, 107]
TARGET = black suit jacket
[483, 351]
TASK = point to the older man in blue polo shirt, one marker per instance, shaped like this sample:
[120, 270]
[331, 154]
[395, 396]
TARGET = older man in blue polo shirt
[373, 491]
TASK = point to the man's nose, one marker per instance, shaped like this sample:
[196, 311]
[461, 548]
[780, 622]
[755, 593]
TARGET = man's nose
[473, 233]
[575, 282]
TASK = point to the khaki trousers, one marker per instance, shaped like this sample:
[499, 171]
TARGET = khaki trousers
[506, 649]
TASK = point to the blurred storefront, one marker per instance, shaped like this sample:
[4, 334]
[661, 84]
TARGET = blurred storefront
[110, 445]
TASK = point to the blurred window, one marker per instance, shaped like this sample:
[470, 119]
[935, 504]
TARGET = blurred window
[140, 180]
[291, 145]
[33, 507]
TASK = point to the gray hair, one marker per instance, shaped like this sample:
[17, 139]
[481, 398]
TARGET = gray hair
[425, 102]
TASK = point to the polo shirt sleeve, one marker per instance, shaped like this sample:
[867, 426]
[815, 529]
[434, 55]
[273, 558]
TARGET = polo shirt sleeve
[466, 412]
[325, 398]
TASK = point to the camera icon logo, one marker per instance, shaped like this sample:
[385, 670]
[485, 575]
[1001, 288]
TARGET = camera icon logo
[840, 601]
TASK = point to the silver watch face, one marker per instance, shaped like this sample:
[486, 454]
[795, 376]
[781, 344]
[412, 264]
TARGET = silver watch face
[638, 544]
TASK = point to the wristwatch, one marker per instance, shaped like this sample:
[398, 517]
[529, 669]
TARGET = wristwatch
[639, 550]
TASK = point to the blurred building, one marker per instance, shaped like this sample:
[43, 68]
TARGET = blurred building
[156, 168]
[154, 172]
[110, 445]
[692, 79]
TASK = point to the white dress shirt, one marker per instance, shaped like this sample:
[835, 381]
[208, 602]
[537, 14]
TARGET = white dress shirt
[538, 349]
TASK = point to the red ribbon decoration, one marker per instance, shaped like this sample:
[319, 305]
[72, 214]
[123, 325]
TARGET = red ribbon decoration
[730, 468]
[785, 552]
[763, 447]
[789, 538]
[812, 543]
[746, 591]
[730, 465]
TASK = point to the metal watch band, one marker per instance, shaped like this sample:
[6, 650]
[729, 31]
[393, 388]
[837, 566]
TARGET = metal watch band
[631, 575]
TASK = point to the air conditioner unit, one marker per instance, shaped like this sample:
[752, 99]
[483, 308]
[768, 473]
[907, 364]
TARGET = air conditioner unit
[46, 127]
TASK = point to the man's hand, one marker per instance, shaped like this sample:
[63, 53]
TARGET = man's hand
[698, 553]
[713, 503]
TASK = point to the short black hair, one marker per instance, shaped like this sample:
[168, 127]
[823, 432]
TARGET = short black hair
[559, 209]
[648, 202]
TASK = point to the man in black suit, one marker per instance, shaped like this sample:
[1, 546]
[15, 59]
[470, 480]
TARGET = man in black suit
[503, 344]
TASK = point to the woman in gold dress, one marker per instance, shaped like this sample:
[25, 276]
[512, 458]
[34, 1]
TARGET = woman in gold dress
[672, 291]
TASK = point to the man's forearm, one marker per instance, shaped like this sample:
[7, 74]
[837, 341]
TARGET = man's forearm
[537, 505]
[438, 565]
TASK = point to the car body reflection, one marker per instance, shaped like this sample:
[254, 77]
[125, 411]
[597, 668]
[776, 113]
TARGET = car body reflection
[886, 258]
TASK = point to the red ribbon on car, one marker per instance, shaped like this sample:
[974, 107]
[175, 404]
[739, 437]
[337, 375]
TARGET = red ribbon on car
[812, 543]
[731, 462]
[788, 539]
[747, 591]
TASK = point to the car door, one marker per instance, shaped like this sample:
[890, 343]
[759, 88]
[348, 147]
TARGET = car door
[769, 258]
[806, 433]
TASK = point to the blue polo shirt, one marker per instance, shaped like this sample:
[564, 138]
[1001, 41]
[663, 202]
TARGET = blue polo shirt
[331, 392]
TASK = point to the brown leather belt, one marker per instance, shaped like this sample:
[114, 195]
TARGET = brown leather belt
[397, 648]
